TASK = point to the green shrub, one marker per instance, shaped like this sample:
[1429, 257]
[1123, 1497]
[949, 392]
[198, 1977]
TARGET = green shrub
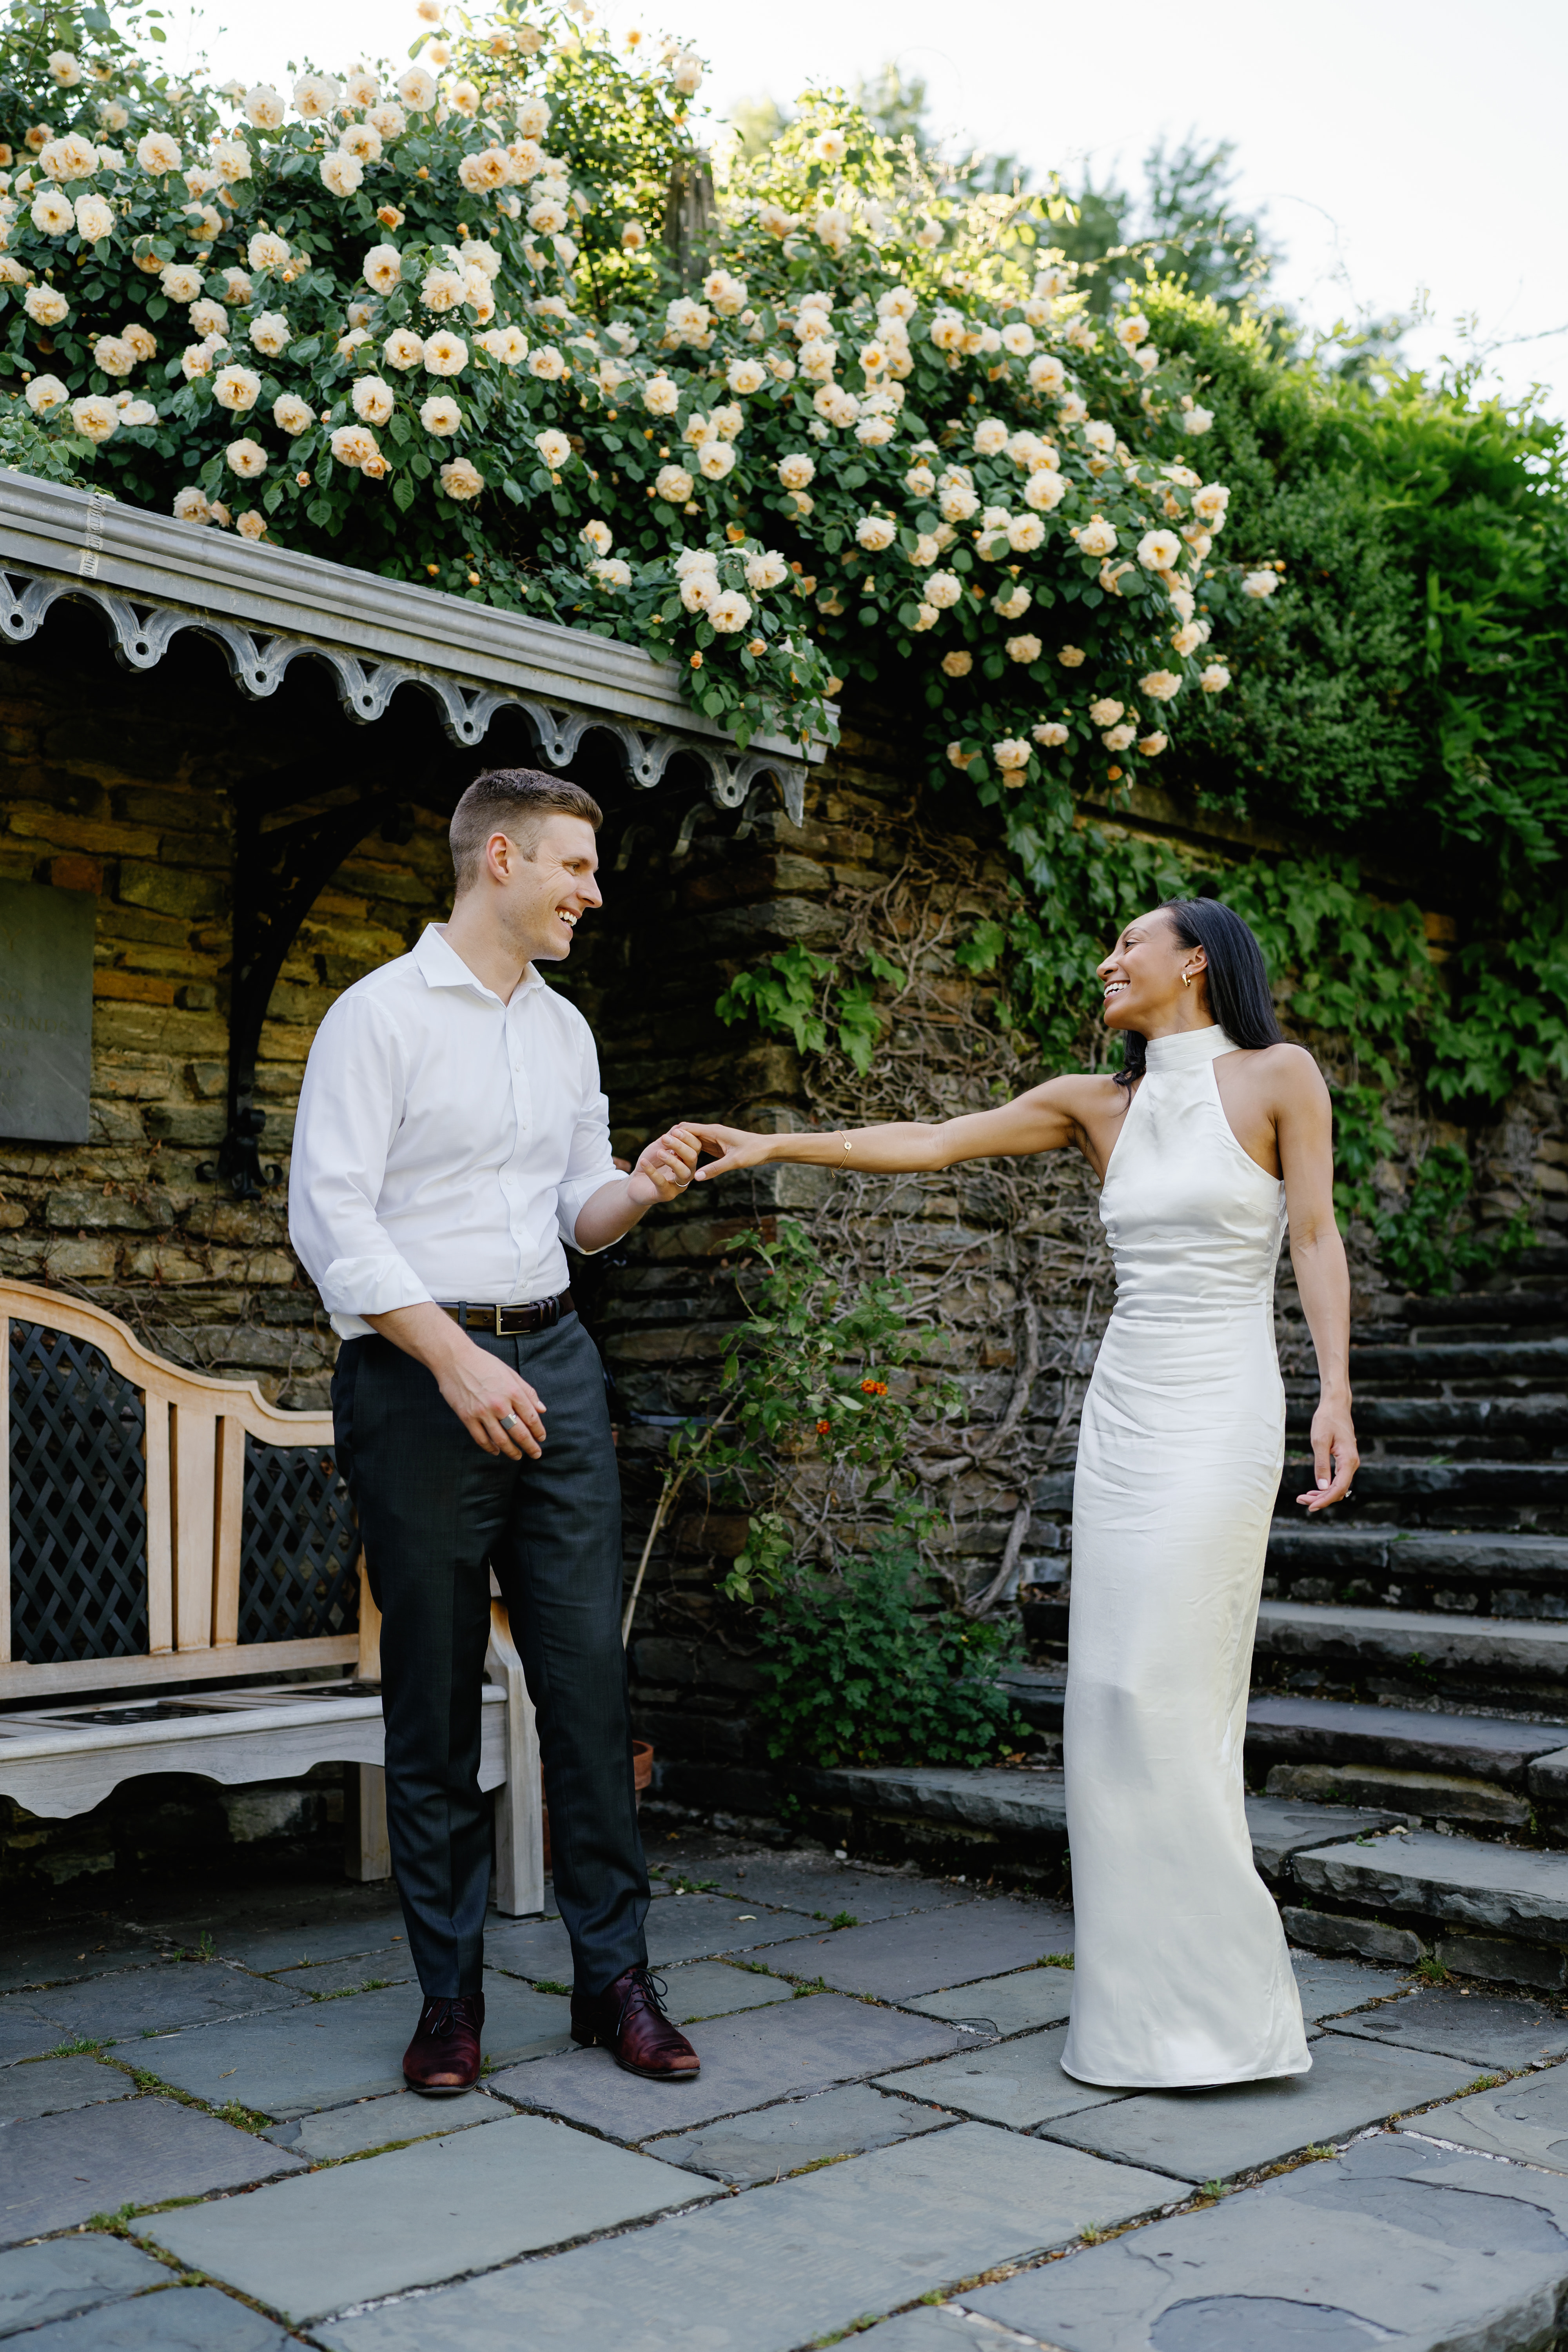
[858, 1668]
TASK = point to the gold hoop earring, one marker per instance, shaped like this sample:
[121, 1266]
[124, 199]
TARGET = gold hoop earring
[1186, 979]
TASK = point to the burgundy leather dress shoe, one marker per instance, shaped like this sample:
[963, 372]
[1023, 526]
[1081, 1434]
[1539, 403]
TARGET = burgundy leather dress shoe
[444, 2056]
[629, 2019]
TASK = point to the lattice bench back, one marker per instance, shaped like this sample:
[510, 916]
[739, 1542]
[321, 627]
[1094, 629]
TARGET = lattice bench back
[161, 1526]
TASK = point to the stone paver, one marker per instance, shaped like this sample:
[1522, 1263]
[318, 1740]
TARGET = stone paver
[366, 1971]
[530, 1947]
[896, 1958]
[760, 2147]
[1330, 1986]
[288, 1930]
[780, 2266]
[1527, 2120]
[1014, 2004]
[747, 2062]
[1017, 2082]
[61, 2169]
[804, 1881]
[64, 1955]
[1213, 2134]
[1485, 2027]
[66, 2276]
[156, 2000]
[382, 2123]
[23, 2032]
[325, 2053]
[937, 2329]
[1391, 2242]
[52, 2086]
[709, 1989]
[1280, 1829]
[700, 1927]
[419, 2214]
[182, 2319]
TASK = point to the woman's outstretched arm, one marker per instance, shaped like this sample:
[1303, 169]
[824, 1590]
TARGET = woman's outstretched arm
[1304, 1126]
[1045, 1120]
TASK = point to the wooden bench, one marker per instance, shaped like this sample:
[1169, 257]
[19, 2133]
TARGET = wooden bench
[168, 1534]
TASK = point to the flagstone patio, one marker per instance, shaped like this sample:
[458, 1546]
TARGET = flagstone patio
[205, 2142]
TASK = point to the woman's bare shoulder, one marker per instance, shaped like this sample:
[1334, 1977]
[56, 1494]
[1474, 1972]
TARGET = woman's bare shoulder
[1292, 1073]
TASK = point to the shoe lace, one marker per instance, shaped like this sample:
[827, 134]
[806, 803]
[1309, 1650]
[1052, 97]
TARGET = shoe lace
[440, 2017]
[655, 1992]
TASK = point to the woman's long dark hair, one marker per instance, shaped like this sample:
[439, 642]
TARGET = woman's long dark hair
[1237, 979]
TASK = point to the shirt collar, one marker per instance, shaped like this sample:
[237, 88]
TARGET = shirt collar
[441, 966]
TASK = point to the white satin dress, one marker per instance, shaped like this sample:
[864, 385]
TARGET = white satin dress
[1181, 1975]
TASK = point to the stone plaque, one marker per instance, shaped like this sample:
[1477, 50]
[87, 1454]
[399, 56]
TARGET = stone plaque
[46, 1012]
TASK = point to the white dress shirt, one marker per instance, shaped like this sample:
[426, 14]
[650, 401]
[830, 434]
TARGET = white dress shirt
[445, 1141]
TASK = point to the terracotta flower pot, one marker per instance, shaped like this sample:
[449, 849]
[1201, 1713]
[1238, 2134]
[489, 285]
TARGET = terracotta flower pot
[642, 1776]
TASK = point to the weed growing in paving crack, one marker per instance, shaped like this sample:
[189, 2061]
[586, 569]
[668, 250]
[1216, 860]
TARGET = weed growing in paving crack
[1430, 1969]
[243, 2118]
[81, 2048]
[548, 1984]
[347, 1993]
[844, 1920]
[1215, 2189]
[1055, 1960]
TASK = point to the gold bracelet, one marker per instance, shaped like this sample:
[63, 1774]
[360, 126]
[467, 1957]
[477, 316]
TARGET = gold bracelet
[844, 1139]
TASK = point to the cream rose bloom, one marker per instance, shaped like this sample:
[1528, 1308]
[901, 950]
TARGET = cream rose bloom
[509, 345]
[673, 484]
[236, 388]
[661, 395]
[191, 505]
[958, 665]
[546, 362]
[796, 470]
[209, 319]
[1106, 712]
[1095, 538]
[699, 589]
[1152, 745]
[291, 414]
[715, 459]
[445, 353]
[267, 251]
[597, 536]
[1051, 733]
[1118, 738]
[373, 400]
[1048, 377]
[341, 175]
[1012, 755]
[1189, 637]
[461, 479]
[745, 376]
[45, 393]
[246, 458]
[1209, 504]
[354, 445]
[990, 437]
[94, 218]
[943, 590]
[1025, 533]
[1025, 648]
[113, 354]
[1071, 657]
[1196, 420]
[387, 121]
[765, 571]
[381, 268]
[610, 573]
[554, 448]
[269, 331]
[920, 481]
[52, 214]
[156, 152]
[1159, 551]
[94, 417]
[402, 349]
[441, 414]
[1159, 685]
[1214, 679]
[730, 612]
[264, 106]
[876, 532]
[1261, 583]
[1045, 490]
[417, 89]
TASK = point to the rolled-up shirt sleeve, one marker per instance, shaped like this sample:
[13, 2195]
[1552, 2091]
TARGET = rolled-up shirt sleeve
[590, 1162]
[349, 1106]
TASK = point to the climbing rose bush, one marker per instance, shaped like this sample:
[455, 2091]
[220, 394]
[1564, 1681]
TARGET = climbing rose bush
[421, 318]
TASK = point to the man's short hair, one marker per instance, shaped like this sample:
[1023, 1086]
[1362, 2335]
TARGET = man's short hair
[513, 801]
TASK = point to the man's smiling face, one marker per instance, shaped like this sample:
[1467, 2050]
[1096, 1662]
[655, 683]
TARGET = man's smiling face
[550, 886]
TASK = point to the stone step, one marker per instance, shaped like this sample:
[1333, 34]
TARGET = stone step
[1487, 1484]
[1547, 1305]
[1478, 1424]
[1289, 1730]
[1477, 1887]
[1505, 1555]
[1038, 1693]
[1454, 1359]
[1490, 1649]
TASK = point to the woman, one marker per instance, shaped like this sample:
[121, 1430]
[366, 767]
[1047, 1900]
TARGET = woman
[1214, 1135]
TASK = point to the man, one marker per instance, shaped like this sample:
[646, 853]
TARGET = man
[451, 1136]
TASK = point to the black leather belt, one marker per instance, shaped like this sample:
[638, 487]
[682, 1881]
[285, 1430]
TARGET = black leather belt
[508, 1322]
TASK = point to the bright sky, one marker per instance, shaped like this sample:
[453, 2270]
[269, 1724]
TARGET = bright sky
[1405, 150]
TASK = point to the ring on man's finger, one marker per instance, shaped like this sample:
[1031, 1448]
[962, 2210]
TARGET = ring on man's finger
[508, 1421]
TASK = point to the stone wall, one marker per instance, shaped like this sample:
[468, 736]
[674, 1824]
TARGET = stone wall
[125, 787]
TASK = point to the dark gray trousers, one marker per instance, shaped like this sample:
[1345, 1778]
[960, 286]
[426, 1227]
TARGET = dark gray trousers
[436, 1514]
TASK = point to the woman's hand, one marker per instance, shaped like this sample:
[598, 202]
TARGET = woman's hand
[1334, 1456]
[735, 1147]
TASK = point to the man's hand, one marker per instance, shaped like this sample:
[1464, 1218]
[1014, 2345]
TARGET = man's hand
[665, 1168]
[1334, 1457]
[481, 1389]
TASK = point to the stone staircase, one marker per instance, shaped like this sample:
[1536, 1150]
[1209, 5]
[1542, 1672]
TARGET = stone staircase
[1408, 1740]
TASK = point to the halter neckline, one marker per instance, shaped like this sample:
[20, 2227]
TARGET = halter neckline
[1188, 1049]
